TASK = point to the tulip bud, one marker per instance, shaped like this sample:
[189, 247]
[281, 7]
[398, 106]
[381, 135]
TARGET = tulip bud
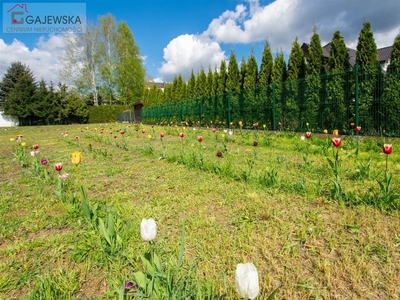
[161, 135]
[181, 135]
[148, 229]
[76, 158]
[58, 167]
[387, 148]
[308, 134]
[199, 139]
[247, 281]
[336, 142]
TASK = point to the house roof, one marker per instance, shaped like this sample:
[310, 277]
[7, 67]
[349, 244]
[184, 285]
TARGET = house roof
[352, 53]
[384, 54]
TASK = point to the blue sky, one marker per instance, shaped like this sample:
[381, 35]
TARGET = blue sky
[177, 36]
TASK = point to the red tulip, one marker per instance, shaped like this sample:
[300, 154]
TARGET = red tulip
[255, 143]
[352, 125]
[35, 146]
[308, 134]
[77, 137]
[255, 125]
[161, 135]
[358, 128]
[219, 154]
[143, 131]
[181, 135]
[122, 132]
[214, 130]
[336, 142]
[387, 148]
[58, 167]
[200, 138]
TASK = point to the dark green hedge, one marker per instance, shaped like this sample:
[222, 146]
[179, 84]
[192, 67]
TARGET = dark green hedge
[106, 113]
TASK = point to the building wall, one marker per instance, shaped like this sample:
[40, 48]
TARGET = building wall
[7, 121]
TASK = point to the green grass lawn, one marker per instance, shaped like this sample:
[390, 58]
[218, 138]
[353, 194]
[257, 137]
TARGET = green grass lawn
[278, 203]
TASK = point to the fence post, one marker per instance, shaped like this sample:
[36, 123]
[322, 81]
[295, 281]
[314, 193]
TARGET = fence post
[273, 107]
[356, 93]
[229, 108]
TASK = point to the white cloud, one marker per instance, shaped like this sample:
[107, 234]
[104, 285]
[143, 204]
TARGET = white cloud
[43, 59]
[189, 52]
[283, 20]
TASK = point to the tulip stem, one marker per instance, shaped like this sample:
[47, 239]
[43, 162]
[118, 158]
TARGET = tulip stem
[387, 163]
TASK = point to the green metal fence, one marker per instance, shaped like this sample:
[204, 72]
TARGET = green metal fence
[368, 97]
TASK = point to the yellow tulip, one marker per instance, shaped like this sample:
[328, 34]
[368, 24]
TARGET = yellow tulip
[335, 132]
[222, 135]
[325, 131]
[76, 158]
[149, 136]
[23, 144]
[12, 139]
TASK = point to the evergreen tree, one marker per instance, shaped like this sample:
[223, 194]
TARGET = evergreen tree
[11, 78]
[21, 99]
[250, 92]
[333, 111]
[370, 76]
[42, 103]
[391, 99]
[175, 90]
[264, 82]
[180, 88]
[395, 55]
[191, 86]
[233, 87]
[294, 85]
[130, 73]
[208, 103]
[201, 84]
[222, 100]
[278, 77]
[314, 70]
[243, 71]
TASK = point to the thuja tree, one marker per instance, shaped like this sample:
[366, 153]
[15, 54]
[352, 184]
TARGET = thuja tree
[221, 103]
[296, 70]
[191, 86]
[233, 87]
[250, 92]
[369, 76]
[391, 99]
[278, 76]
[208, 113]
[314, 69]
[333, 109]
[264, 83]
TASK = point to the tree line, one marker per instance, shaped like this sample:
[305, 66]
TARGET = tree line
[301, 89]
[101, 66]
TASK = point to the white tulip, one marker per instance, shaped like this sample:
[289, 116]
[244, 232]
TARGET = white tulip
[148, 229]
[247, 280]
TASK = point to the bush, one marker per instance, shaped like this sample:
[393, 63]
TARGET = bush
[106, 113]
